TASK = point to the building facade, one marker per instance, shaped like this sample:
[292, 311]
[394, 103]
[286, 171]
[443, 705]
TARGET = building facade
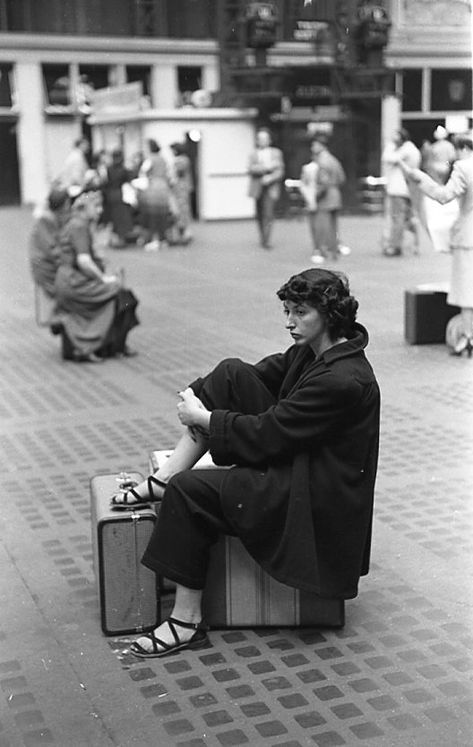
[191, 59]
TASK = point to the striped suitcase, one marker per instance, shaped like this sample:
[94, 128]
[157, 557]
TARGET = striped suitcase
[239, 593]
[128, 595]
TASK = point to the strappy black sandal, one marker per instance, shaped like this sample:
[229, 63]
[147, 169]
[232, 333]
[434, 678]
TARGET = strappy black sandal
[128, 489]
[198, 640]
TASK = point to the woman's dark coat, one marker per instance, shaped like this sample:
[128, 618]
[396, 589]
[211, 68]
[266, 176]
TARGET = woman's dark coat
[301, 495]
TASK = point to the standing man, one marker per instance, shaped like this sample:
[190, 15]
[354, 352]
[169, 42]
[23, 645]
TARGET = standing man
[266, 169]
[399, 210]
[329, 181]
[74, 174]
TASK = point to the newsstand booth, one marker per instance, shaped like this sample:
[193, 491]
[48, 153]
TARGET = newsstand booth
[219, 140]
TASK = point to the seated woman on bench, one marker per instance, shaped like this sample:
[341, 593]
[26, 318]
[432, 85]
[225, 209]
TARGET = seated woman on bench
[44, 243]
[95, 310]
[301, 430]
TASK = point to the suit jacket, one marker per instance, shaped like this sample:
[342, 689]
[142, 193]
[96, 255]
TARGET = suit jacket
[269, 178]
[308, 186]
[460, 185]
[396, 185]
[330, 178]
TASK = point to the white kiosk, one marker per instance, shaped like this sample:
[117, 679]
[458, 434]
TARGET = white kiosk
[225, 138]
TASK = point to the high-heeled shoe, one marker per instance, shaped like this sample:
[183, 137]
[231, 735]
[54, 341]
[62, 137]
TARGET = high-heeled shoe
[79, 357]
[121, 500]
[464, 345]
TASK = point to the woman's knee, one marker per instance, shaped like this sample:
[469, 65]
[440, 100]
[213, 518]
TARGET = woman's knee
[181, 482]
[230, 365]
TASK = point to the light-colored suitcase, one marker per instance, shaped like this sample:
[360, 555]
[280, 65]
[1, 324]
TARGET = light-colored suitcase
[128, 594]
[239, 593]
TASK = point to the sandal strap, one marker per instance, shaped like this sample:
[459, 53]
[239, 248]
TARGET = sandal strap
[178, 643]
[135, 495]
[191, 626]
[125, 501]
[171, 623]
[155, 641]
[152, 480]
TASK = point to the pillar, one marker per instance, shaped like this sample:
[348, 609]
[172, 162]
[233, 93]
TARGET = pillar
[164, 91]
[31, 134]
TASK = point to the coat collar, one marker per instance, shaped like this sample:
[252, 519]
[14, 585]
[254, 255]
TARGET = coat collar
[354, 345]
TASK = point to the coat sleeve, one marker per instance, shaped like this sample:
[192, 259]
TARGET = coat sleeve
[443, 193]
[79, 237]
[308, 185]
[301, 421]
[254, 168]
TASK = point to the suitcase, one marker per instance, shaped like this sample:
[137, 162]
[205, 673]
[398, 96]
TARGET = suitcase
[426, 314]
[128, 594]
[239, 593]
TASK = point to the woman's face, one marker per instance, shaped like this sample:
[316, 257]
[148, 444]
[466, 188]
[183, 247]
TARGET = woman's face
[305, 324]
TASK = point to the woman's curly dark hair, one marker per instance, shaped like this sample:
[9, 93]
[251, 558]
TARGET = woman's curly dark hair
[329, 293]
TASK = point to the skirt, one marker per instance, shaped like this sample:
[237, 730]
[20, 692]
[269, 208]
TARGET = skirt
[461, 278]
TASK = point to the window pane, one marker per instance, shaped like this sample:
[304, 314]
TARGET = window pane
[95, 76]
[451, 89]
[140, 74]
[188, 80]
[412, 90]
[57, 84]
[5, 90]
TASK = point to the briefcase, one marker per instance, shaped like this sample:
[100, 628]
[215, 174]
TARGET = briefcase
[426, 314]
[239, 593]
[128, 593]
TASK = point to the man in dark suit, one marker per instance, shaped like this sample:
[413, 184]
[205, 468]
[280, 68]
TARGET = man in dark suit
[266, 169]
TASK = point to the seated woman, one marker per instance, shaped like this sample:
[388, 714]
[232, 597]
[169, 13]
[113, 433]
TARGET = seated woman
[301, 429]
[95, 310]
[44, 250]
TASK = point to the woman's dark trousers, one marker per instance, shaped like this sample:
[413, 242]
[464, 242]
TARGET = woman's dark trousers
[190, 519]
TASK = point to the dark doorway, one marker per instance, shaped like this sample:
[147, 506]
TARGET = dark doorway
[10, 181]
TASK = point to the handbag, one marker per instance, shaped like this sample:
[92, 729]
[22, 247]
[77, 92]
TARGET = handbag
[129, 196]
[141, 183]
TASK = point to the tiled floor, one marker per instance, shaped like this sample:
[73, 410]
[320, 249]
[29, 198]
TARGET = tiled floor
[400, 671]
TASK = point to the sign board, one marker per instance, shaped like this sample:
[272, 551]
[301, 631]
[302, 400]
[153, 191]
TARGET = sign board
[308, 31]
[117, 99]
[456, 123]
[320, 34]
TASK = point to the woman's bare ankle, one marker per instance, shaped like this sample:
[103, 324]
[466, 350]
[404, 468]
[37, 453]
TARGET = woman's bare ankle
[187, 615]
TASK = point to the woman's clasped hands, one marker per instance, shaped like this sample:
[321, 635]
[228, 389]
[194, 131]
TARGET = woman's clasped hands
[192, 412]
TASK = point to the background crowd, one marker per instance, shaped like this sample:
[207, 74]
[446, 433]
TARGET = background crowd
[146, 201]
[100, 201]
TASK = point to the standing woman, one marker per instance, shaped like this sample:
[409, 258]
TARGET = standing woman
[116, 211]
[301, 429]
[183, 187]
[459, 186]
[96, 312]
[155, 200]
